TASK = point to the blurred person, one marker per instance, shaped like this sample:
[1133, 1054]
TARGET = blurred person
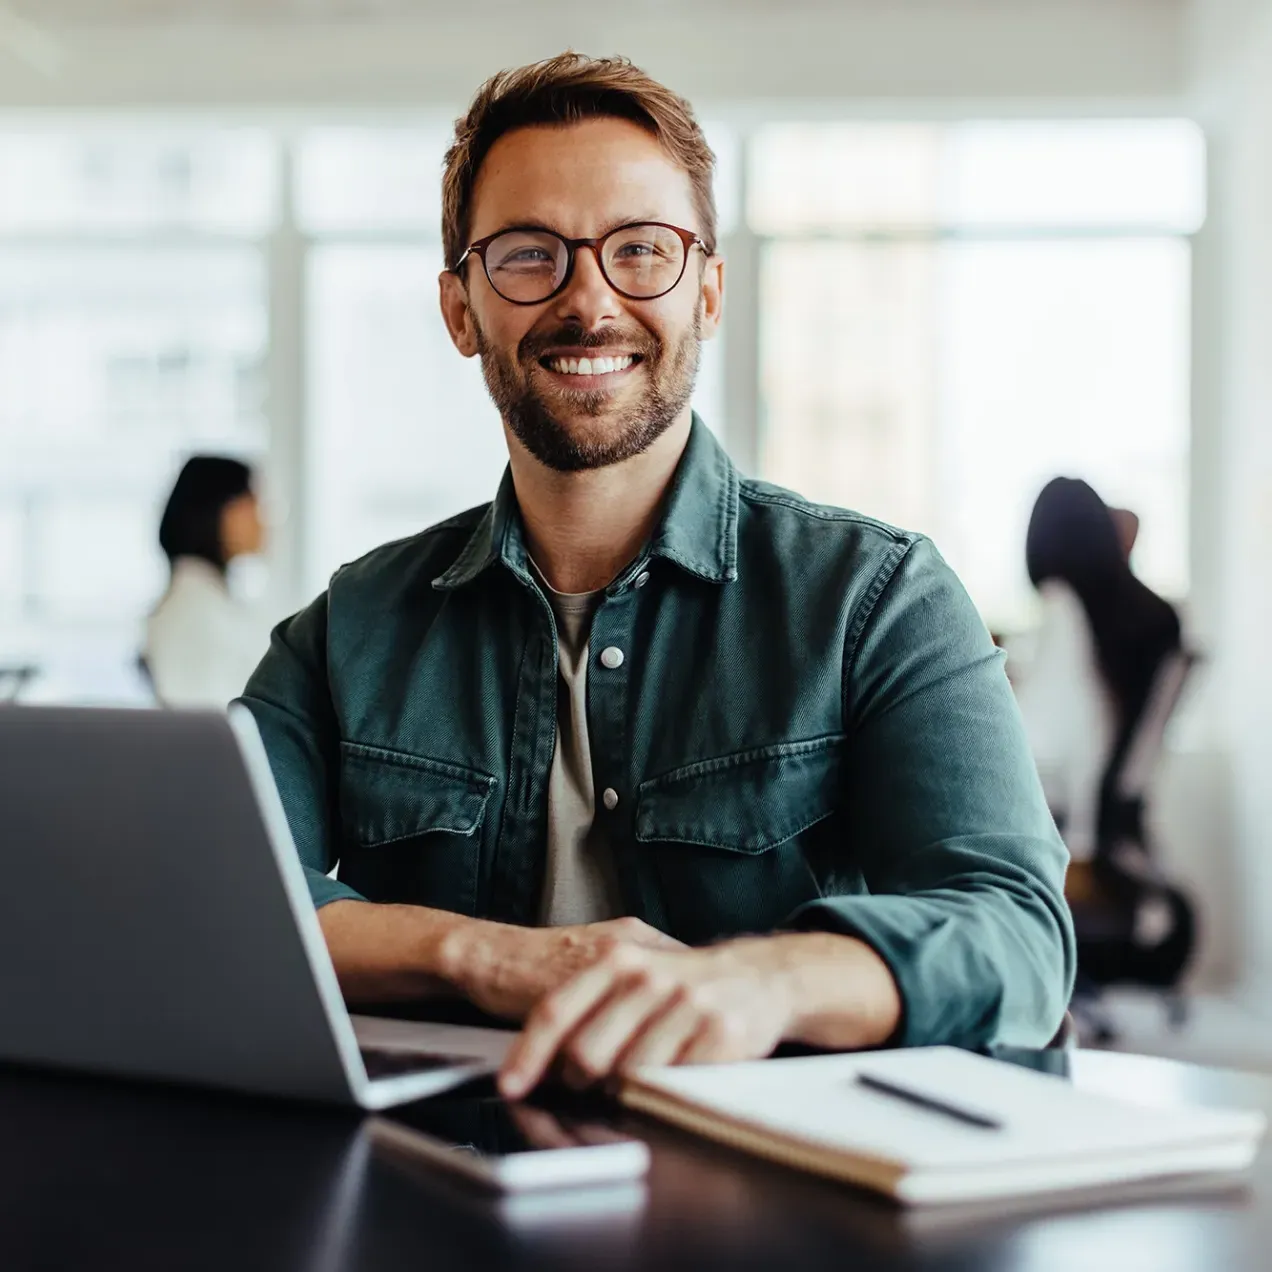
[1128, 527]
[202, 643]
[1106, 676]
[668, 764]
[1101, 640]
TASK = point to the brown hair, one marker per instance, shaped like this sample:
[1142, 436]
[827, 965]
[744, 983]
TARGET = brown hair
[563, 90]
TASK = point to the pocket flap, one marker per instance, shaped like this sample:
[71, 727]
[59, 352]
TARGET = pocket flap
[389, 795]
[748, 802]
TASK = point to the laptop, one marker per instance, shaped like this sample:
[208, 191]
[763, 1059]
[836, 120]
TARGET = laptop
[155, 922]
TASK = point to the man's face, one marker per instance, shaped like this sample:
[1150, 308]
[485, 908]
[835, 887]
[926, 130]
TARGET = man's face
[582, 180]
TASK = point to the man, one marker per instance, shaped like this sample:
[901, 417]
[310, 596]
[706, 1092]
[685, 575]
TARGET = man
[670, 765]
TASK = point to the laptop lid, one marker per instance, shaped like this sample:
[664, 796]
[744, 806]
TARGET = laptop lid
[154, 917]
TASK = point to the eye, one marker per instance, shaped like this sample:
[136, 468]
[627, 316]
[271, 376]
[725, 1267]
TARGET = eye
[635, 251]
[525, 256]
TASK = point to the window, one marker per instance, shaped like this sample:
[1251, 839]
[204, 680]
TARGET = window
[371, 179]
[221, 180]
[402, 432]
[119, 357]
[947, 315]
[951, 315]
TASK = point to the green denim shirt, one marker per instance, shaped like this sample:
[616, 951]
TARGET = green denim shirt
[810, 729]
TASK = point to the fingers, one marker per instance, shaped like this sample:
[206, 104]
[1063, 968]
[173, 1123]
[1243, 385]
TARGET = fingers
[664, 1038]
[554, 1018]
[720, 1036]
[639, 996]
[639, 1007]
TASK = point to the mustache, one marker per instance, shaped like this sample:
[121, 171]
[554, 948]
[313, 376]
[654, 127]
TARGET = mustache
[535, 344]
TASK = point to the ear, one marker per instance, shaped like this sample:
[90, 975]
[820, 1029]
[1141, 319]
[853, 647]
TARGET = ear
[712, 296]
[456, 314]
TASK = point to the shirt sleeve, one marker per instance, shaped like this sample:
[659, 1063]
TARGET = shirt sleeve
[947, 820]
[291, 703]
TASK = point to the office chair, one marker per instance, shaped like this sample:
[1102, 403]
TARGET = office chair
[13, 680]
[1134, 925]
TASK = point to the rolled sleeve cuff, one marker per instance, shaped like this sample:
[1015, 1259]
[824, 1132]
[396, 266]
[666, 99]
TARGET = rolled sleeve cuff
[323, 889]
[950, 991]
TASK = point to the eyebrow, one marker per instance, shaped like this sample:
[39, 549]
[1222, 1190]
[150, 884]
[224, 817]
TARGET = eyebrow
[550, 229]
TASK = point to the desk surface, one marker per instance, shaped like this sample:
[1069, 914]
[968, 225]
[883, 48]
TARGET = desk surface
[101, 1174]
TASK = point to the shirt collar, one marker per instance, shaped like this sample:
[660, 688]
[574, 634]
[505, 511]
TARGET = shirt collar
[698, 530]
[699, 526]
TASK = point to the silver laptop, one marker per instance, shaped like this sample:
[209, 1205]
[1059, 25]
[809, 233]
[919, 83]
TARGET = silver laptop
[155, 921]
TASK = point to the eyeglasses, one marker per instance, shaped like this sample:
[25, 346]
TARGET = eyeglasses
[528, 266]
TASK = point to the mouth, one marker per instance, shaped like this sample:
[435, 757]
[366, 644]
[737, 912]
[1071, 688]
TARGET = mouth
[583, 372]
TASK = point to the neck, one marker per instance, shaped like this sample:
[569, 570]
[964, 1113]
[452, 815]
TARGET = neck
[582, 528]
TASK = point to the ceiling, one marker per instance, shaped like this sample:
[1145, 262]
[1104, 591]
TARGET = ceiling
[103, 12]
[67, 53]
[107, 12]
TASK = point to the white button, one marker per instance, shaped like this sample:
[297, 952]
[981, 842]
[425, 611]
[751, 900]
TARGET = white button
[612, 658]
[642, 578]
[609, 798]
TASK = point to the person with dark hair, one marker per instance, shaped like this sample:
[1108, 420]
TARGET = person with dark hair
[1096, 697]
[1101, 642]
[202, 644]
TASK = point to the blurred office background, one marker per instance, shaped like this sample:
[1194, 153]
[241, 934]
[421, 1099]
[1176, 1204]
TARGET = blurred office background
[971, 244]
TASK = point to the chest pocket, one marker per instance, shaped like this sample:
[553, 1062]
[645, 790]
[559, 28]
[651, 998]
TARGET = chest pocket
[728, 836]
[411, 827]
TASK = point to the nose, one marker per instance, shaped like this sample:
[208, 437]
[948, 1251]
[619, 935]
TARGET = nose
[588, 299]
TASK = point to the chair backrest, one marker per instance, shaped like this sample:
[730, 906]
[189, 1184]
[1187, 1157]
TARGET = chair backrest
[13, 680]
[1145, 751]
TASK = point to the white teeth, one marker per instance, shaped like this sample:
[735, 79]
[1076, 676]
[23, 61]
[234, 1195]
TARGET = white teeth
[591, 366]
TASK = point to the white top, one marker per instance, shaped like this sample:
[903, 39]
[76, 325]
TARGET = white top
[202, 644]
[1070, 715]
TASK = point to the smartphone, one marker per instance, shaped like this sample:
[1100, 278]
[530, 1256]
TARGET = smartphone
[510, 1147]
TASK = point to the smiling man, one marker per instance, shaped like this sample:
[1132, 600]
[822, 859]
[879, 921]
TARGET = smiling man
[668, 764]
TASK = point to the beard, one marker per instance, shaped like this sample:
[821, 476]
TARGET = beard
[630, 429]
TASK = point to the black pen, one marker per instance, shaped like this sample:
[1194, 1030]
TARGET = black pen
[932, 1103]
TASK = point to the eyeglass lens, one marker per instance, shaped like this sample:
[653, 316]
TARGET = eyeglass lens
[641, 261]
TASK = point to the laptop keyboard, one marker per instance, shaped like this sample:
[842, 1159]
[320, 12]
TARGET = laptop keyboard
[382, 1063]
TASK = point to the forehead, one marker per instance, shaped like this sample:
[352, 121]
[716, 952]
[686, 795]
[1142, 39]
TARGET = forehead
[581, 179]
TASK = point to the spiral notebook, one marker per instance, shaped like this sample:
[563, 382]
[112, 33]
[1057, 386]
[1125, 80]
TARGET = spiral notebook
[938, 1125]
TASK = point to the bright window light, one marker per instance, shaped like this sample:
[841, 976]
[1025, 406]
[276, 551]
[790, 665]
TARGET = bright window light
[351, 179]
[1017, 175]
[117, 362]
[952, 315]
[222, 180]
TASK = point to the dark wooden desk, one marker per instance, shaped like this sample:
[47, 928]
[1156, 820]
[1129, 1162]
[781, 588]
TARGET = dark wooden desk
[105, 1175]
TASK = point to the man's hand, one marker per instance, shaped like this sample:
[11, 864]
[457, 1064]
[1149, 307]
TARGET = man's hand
[637, 1006]
[506, 969]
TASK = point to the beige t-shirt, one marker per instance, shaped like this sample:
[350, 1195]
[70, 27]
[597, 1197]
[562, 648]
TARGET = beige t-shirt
[579, 884]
